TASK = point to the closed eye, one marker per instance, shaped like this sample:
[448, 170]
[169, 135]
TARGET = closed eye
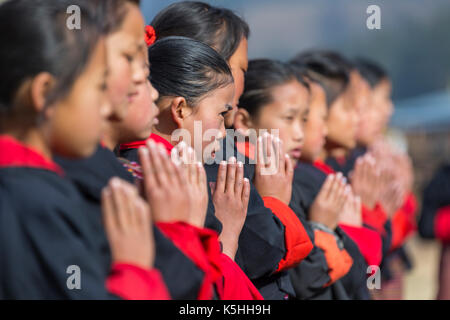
[225, 112]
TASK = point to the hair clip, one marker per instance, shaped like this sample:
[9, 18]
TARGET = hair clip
[150, 35]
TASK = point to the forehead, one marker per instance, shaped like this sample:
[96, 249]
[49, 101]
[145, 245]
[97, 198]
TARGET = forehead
[241, 53]
[290, 95]
[132, 30]
[218, 97]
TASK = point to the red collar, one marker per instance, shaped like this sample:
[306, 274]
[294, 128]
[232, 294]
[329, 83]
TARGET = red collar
[247, 149]
[142, 143]
[15, 154]
[164, 142]
[341, 160]
[319, 164]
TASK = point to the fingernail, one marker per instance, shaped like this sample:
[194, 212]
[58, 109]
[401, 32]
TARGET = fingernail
[106, 191]
[115, 182]
[199, 164]
[161, 149]
[246, 180]
[232, 160]
[240, 164]
[144, 151]
[223, 163]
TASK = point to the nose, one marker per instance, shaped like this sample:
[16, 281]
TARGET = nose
[222, 131]
[138, 71]
[297, 132]
[106, 108]
[154, 93]
[325, 130]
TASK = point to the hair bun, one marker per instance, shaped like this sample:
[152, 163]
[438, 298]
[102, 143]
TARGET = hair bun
[150, 35]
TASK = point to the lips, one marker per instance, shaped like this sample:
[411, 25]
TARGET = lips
[131, 96]
[295, 153]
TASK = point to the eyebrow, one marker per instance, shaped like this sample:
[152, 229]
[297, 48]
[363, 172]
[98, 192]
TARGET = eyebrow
[141, 46]
[293, 110]
[106, 73]
[306, 111]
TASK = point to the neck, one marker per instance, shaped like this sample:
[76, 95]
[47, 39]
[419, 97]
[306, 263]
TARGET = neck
[323, 155]
[166, 136]
[338, 152]
[110, 137]
[33, 138]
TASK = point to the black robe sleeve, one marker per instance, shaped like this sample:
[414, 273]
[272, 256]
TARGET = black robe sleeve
[182, 277]
[435, 196]
[44, 234]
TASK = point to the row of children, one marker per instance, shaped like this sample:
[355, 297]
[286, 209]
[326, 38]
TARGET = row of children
[95, 178]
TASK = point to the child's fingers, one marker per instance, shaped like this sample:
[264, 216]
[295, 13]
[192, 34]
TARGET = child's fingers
[346, 196]
[326, 187]
[288, 167]
[129, 195]
[279, 155]
[357, 204]
[269, 147]
[157, 163]
[245, 193]
[239, 182]
[143, 217]
[167, 165]
[259, 154]
[201, 174]
[340, 192]
[147, 170]
[108, 210]
[221, 177]
[231, 175]
[335, 186]
[119, 201]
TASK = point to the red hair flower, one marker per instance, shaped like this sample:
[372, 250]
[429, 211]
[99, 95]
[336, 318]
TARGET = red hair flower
[150, 35]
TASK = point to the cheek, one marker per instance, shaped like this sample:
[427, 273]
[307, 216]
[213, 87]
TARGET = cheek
[138, 116]
[77, 129]
[286, 137]
[238, 85]
[119, 82]
[313, 131]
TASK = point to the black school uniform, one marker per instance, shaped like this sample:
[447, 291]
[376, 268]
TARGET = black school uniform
[345, 166]
[261, 242]
[308, 181]
[91, 175]
[434, 223]
[46, 234]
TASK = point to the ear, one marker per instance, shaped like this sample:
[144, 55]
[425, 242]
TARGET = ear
[40, 87]
[243, 121]
[179, 110]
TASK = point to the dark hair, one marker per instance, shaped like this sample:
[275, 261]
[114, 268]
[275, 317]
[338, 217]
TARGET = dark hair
[329, 69]
[372, 72]
[219, 28]
[184, 67]
[262, 75]
[34, 38]
[113, 12]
